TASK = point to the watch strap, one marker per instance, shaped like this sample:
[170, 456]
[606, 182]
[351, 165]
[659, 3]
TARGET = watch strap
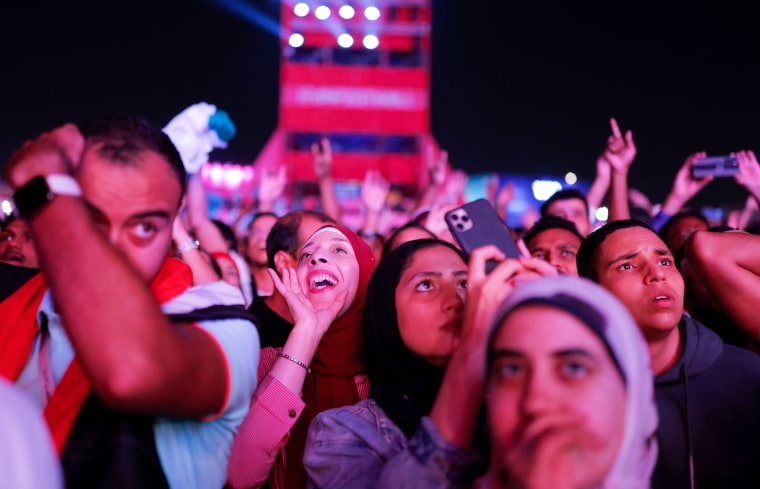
[37, 192]
[61, 184]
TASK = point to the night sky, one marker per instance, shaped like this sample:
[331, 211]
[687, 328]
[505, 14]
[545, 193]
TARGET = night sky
[515, 87]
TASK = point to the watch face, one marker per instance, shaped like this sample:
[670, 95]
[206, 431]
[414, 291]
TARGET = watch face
[32, 196]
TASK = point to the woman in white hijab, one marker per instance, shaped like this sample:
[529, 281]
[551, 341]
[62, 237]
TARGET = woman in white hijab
[569, 392]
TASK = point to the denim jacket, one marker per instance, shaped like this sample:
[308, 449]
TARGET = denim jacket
[360, 447]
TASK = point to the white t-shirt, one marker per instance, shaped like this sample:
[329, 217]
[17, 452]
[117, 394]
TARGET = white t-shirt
[193, 452]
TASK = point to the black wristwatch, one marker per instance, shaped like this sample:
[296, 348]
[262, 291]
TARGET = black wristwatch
[38, 191]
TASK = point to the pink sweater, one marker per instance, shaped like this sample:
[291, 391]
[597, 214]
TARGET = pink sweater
[264, 431]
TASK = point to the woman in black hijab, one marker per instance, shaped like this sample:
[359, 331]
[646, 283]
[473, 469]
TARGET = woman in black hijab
[424, 352]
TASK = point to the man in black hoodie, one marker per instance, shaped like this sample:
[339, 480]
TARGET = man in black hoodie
[707, 393]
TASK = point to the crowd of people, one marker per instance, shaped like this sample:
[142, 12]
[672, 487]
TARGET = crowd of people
[147, 343]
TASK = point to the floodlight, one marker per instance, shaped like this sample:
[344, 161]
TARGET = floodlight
[371, 41]
[322, 12]
[372, 13]
[345, 40]
[347, 12]
[296, 40]
[301, 9]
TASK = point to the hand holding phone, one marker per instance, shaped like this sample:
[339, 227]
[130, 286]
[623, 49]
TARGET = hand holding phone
[477, 224]
[715, 166]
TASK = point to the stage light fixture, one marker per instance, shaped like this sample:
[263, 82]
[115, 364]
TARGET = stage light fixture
[345, 40]
[347, 12]
[372, 13]
[322, 12]
[301, 9]
[371, 41]
[571, 178]
[296, 40]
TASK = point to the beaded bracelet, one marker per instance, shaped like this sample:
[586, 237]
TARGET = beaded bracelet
[295, 360]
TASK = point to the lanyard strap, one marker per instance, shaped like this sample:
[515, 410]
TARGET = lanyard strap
[47, 382]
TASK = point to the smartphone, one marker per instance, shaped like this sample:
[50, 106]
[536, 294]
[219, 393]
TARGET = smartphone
[477, 224]
[716, 166]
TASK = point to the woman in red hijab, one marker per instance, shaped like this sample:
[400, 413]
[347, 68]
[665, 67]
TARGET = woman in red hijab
[320, 366]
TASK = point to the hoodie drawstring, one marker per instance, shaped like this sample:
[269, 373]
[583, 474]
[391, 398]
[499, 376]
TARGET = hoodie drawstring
[688, 425]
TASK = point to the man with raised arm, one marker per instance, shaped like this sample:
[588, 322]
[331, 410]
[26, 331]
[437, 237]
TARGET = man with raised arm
[142, 378]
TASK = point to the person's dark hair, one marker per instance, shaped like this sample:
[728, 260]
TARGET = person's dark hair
[402, 383]
[247, 236]
[284, 233]
[255, 218]
[259, 215]
[564, 194]
[590, 250]
[550, 222]
[665, 229]
[125, 136]
[5, 222]
[391, 240]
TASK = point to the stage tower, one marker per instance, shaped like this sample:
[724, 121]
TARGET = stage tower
[357, 72]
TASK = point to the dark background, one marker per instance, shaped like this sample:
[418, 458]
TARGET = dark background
[515, 88]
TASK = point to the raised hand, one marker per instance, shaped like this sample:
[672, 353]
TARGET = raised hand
[56, 151]
[685, 186]
[271, 185]
[303, 311]
[640, 200]
[546, 450]
[486, 291]
[535, 268]
[323, 159]
[492, 185]
[530, 217]
[501, 199]
[749, 172]
[437, 167]
[374, 190]
[505, 196]
[740, 218]
[455, 186]
[621, 150]
[435, 222]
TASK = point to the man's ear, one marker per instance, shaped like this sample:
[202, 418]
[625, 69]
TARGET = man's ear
[283, 260]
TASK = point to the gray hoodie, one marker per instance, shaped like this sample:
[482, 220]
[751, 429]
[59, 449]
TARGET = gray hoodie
[709, 408]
